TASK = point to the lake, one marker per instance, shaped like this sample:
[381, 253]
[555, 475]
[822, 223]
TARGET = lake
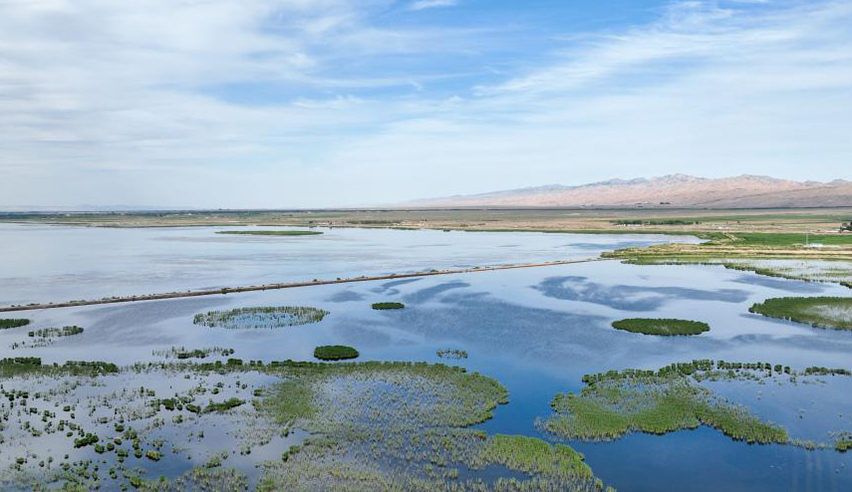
[536, 330]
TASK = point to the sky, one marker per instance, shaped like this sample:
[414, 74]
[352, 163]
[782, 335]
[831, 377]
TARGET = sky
[329, 103]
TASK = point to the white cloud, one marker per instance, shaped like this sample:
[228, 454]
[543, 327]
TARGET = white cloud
[135, 102]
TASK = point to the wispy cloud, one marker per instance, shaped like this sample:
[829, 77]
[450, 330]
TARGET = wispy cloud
[429, 4]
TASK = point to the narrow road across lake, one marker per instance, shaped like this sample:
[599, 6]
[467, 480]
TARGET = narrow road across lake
[290, 285]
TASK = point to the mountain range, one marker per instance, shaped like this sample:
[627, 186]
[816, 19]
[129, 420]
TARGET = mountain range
[670, 191]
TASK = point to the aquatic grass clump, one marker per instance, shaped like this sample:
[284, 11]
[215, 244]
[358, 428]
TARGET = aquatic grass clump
[452, 354]
[843, 442]
[405, 426]
[532, 455]
[382, 306]
[818, 312]
[616, 403]
[65, 331]
[271, 233]
[183, 353]
[661, 327]
[260, 317]
[327, 395]
[224, 406]
[6, 323]
[335, 352]
[14, 366]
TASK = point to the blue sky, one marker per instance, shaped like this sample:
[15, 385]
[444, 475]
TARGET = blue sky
[315, 103]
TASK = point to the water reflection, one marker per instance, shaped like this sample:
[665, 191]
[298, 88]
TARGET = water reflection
[630, 297]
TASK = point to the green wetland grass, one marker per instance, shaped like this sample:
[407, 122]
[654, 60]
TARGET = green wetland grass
[65, 331]
[260, 317]
[271, 233]
[7, 323]
[15, 366]
[818, 312]
[790, 239]
[44, 337]
[183, 353]
[843, 442]
[452, 354]
[405, 426]
[661, 327]
[532, 455]
[658, 402]
[393, 426]
[382, 306]
[335, 352]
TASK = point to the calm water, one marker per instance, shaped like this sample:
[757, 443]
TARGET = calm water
[54, 263]
[536, 330]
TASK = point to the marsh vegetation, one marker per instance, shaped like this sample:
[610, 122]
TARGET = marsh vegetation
[44, 337]
[198, 353]
[658, 402]
[335, 352]
[381, 306]
[389, 426]
[65, 331]
[452, 354]
[414, 417]
[661, 327]
[819, 312]
[7, 323]
[260, 317]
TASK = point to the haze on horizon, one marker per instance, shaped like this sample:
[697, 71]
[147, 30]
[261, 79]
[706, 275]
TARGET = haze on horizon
[323, 103]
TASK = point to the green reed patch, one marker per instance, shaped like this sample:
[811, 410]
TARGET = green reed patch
[843, 442]
[661, 327]
[14, 366]
[183, 353]
[271, 233]
[618, 402]
[394, 426]
[335, 352]
[260, 317]
[433, 394]
[382, 306]
[452, 354]
[223, 406]
[404, 427]
[199, 478]
[6, 323]
[65, 331]
[819, 312]
[532, 455]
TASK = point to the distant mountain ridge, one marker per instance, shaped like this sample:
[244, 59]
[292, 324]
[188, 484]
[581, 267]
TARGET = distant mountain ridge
[673, 190]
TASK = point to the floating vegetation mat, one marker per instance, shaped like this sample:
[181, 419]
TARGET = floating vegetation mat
[195, 426]
[271, 233]
[382, 306]
[260, 317]
[452, 354]
[661, 327]
[335, 352]
[658, 402]
[819, 312]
